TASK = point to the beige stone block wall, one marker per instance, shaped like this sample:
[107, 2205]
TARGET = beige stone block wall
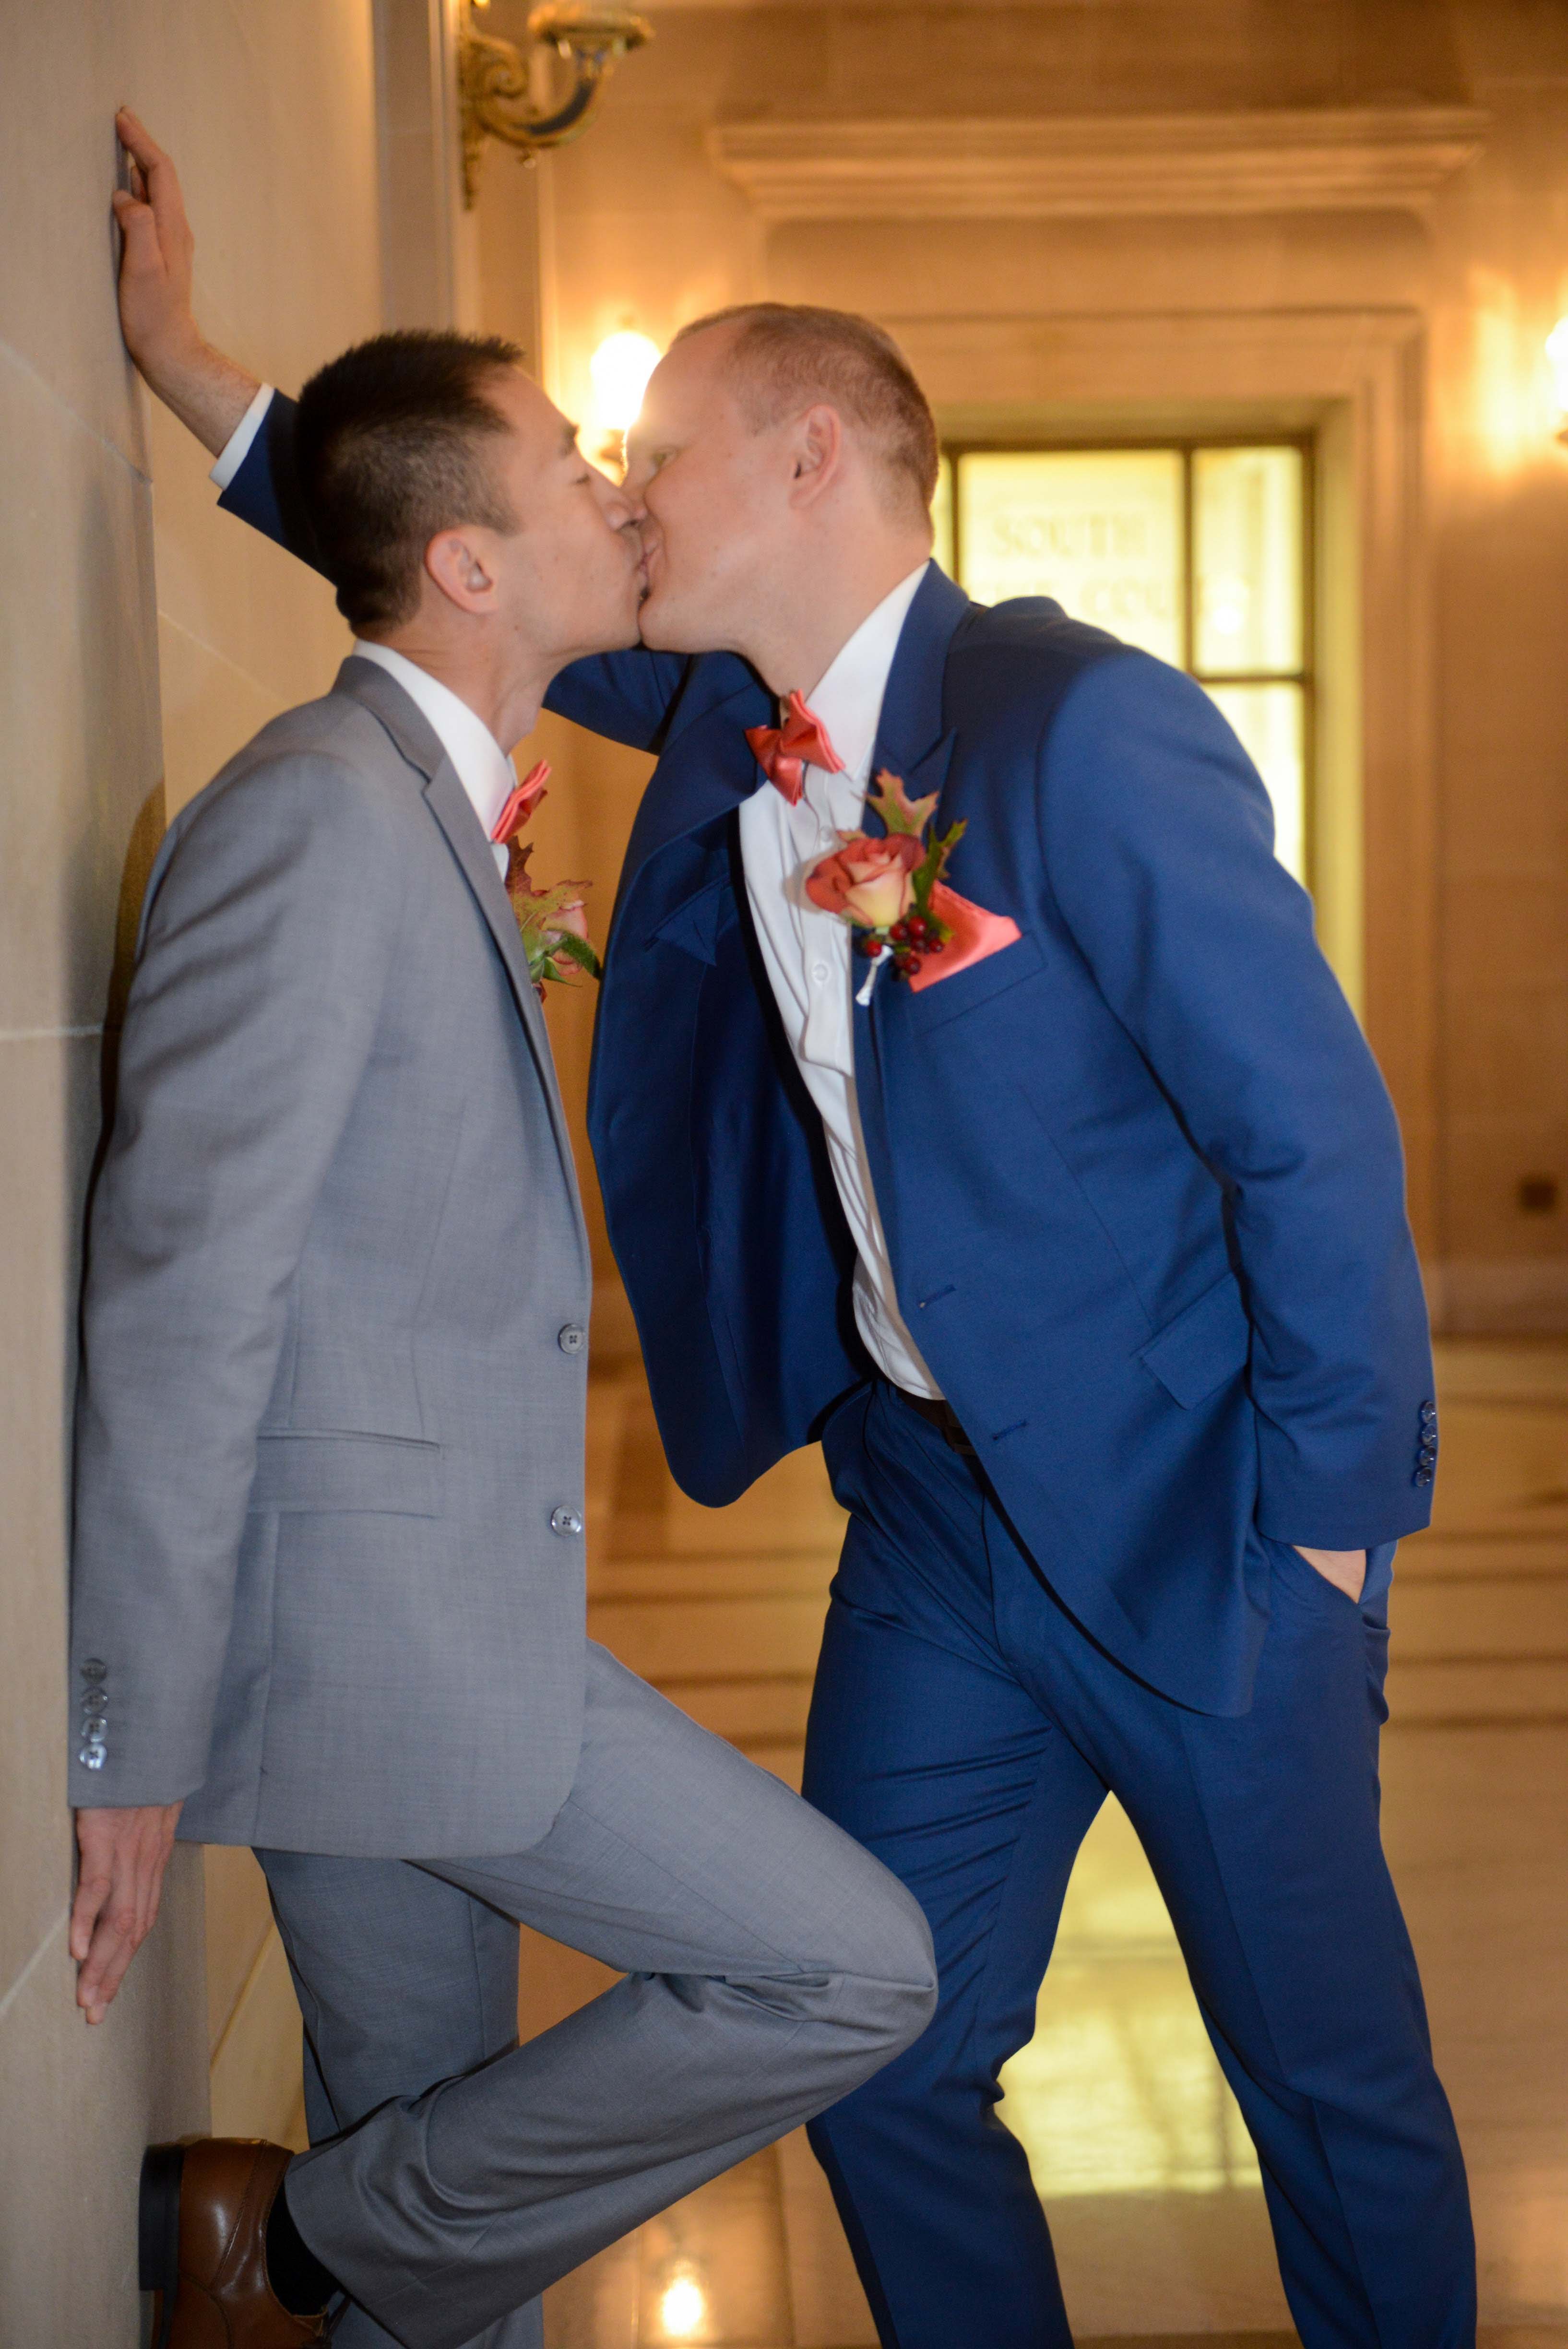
[146, 637]
[273, 123]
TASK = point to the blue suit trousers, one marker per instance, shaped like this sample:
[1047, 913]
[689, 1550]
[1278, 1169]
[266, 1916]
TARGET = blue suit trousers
[966, 1729]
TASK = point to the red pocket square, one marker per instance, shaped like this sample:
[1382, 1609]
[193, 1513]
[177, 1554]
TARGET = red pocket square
[975, 935]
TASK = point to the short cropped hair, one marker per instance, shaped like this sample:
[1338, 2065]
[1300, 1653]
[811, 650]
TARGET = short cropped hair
[394, 446]
[787, 355]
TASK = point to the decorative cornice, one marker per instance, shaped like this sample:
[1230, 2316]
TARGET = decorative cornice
[1042, 167]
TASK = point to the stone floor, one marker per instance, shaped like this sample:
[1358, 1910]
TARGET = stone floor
[1135, 2145]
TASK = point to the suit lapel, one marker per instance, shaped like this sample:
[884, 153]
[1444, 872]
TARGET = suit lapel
[910, 739]
[910, 742]
[453, 809]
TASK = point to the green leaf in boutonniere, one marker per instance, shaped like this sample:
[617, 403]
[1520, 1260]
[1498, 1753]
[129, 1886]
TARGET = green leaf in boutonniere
[550, 922]
[934, 863]
[898, 811]
[580, 951]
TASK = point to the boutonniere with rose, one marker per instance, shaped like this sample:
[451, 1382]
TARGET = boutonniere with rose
[551, 922]
[889, 889]
[893, 894]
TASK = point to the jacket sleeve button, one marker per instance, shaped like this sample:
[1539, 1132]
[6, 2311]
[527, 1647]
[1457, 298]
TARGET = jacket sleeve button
[572, 1339]
[565, 1521]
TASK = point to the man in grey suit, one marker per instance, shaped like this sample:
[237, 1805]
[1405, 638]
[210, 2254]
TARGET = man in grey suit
[329, 1586]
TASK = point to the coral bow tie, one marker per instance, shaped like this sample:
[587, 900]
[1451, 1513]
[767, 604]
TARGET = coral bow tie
[521, 804]
[784, 753]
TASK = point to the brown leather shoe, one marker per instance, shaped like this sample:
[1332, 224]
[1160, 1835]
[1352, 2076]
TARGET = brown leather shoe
[203, 2217]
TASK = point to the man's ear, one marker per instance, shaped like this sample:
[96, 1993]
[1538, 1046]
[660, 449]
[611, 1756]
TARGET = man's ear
[457, 560]
[816, 454]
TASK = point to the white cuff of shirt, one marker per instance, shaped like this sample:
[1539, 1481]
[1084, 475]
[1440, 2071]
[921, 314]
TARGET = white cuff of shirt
[237, 447]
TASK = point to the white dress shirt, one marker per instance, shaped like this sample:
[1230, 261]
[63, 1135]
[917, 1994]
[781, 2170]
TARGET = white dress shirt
[807, 954]
[484, 769]
[237, 447]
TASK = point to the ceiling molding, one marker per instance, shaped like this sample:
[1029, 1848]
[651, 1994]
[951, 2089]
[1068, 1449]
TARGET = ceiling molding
[1044, 167]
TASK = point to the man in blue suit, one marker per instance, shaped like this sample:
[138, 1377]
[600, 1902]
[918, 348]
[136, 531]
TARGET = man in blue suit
[1084, 1253]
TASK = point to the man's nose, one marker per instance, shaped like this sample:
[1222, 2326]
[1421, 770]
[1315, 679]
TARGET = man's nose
[633, 502]
[620, 509]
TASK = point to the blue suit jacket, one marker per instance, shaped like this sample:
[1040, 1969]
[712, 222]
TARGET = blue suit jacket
[1140, 1179]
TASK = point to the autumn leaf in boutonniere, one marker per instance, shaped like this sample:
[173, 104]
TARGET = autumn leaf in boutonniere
[886, 889]
[551, 922]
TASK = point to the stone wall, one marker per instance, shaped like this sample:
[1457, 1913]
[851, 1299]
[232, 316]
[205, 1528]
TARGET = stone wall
[145, 639]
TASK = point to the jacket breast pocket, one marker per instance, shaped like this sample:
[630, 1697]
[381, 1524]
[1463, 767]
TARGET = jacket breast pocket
[1203, 1347]
[948, 998]
[337, 1470]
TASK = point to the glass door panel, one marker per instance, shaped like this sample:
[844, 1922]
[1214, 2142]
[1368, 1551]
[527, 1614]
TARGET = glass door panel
[1247, 561]
[1100, 529]
[1270, 720]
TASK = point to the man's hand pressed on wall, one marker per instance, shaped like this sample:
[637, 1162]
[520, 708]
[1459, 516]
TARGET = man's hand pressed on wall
[206, 391]
[124, 1854]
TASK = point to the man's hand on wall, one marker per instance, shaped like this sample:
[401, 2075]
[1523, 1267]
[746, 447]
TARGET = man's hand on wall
[206, 391]
[124, 1854]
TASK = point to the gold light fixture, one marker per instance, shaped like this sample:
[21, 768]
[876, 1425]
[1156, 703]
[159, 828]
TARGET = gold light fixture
[503, 91]
[1557, 359]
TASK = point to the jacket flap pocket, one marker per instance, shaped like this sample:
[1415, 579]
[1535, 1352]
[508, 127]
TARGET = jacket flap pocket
[1203, 1346]
[693, 926]
[394, 1475]
[977, 982]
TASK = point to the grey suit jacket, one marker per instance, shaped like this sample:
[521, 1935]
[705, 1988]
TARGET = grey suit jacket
[327, 1573]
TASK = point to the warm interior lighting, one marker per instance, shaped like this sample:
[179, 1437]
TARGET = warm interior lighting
[683, 2307]
[621, 368]
[1557, 357]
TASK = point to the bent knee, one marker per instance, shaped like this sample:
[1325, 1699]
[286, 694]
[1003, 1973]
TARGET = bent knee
[894, 1989]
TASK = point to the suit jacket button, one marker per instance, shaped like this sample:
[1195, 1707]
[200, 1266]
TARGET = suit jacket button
[93, 1669]
[565, 1521]
[1423, 1475]
[92, 1757]
[572, 1339]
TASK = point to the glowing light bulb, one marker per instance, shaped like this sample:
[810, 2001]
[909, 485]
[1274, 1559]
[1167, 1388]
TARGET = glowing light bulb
[621, 368]
[684, 2308]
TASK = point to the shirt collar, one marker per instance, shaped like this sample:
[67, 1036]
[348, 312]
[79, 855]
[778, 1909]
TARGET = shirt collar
[848, 700]
[484, 769]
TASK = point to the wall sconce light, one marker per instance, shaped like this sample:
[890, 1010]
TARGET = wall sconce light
[496, 83]
[683, 2306]
[1557, 358]
[619, 370]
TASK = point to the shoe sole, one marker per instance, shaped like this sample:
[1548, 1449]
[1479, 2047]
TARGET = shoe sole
[157, 2230]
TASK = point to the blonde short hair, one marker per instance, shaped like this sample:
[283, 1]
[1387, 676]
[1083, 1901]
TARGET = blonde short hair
[786, 354]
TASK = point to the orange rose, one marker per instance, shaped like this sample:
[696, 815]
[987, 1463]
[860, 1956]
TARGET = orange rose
[868, 882]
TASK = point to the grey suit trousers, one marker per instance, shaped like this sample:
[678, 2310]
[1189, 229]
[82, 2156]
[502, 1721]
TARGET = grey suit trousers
[770, 1966]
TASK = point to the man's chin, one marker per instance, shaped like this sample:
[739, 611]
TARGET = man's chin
[660, 628]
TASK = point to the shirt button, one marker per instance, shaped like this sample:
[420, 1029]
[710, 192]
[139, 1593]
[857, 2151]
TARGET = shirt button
[821, 973]
[565, 1521]
[572, 1339]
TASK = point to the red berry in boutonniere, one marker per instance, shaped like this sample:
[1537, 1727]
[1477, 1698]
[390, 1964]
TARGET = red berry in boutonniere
[882, 887]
